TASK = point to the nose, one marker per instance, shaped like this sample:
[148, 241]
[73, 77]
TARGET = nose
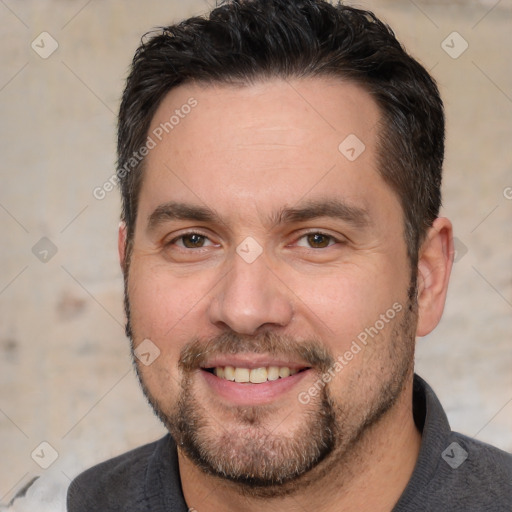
[250, 299]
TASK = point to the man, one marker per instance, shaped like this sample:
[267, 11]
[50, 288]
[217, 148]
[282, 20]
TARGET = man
[280, 167]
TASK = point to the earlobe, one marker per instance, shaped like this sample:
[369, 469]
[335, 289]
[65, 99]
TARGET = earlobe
[121, 244]
[434, 268]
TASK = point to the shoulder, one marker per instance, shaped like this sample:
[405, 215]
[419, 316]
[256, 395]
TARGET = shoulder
[471, 476]
[115, 483]
[454, 472]
[482, 466]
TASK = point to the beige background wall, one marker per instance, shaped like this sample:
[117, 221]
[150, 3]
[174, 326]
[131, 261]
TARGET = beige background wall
[65, 374]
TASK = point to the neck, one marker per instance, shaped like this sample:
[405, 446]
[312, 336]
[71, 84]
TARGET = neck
[372, 476]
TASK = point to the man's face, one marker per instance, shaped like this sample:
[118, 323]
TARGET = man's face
[264, 250]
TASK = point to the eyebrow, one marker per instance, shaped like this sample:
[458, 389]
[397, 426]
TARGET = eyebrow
[310, 210]
[180, 211]
[333, 208]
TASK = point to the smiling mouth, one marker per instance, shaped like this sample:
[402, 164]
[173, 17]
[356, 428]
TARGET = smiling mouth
[254, 375]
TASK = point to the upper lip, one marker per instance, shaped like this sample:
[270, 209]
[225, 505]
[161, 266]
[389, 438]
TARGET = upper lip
[252, 361]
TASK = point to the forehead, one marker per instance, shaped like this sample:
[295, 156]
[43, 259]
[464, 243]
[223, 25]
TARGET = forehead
[291, 112]
[264, 141]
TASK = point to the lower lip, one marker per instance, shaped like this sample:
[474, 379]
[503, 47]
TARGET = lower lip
[246, 393]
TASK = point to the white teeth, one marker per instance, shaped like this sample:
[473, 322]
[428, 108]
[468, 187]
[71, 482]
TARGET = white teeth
[284, 372]
[273, 373]
[242, 374]
[229, 373]
[254, 375]
[258, 375]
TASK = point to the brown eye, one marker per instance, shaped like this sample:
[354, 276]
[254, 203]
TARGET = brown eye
[192, 241]
[319, 240]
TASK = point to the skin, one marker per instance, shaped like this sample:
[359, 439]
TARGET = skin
[246, 153]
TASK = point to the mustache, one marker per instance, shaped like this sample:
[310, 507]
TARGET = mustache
[197, 352]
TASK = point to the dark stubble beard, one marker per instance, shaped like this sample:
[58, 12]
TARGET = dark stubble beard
[262, 464]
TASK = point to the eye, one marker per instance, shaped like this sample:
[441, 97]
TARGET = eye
[316, 241]
[192, 241]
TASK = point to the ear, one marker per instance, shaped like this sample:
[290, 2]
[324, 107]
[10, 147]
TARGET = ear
[434, 268]
[121, 245]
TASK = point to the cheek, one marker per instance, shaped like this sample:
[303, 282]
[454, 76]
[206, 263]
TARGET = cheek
[164, 312]
[164, 308]
[348, 300]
